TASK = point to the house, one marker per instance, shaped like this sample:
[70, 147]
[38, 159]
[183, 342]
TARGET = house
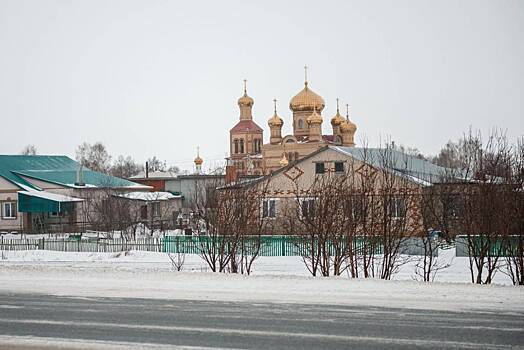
[40, 193]
[388, 180]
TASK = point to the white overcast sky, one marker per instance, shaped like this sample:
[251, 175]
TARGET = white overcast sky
[163, 77]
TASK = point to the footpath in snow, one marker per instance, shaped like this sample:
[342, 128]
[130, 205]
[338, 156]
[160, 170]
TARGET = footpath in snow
[280, 280]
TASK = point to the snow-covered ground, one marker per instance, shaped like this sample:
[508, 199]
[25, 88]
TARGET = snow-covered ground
[458, 270]
[275, 279]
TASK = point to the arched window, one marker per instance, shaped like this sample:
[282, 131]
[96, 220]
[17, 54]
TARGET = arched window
[241, 145]
[300, 124]
[257, 145]
[236, 145]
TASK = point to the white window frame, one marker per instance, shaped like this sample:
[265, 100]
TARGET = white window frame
[12, 204]
[301, 203]
[156, 209]
[397, 209]
[263, 203]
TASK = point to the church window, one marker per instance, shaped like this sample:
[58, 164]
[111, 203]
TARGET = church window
[236, 145]
[241, 145]
[300, 124]
[257, 145]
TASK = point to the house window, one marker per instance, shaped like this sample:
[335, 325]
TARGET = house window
[9, 210]
[269, 208]
[452, 205]
[339, 167]
[307, 207]
[241, 145]
[397, 207]
[143, 212]
[236, 145]
[320, 168]
[155, 208]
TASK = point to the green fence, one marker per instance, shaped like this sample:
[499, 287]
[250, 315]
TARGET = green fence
[269, 245]
[501, 246]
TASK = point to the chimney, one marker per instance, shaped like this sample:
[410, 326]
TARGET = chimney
[80, 176]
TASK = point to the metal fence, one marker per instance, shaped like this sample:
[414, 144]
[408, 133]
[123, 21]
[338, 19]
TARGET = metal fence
[501, 246]
[269, 245]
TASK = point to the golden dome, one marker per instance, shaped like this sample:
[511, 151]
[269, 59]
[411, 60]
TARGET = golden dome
[245, 100]
[314, 118]
[347, 126]
[306, 100]
[198, 161]
[337, 119]
[275, 120]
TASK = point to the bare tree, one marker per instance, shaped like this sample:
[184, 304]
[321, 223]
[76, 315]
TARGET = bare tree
[94, 157]
[125, 167]
[29, 150]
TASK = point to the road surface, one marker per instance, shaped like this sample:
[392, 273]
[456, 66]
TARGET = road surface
[35, 322]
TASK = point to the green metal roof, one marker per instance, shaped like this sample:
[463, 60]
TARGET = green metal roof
[60, 170]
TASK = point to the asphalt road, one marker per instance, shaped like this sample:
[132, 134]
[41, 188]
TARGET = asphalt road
[102, 322]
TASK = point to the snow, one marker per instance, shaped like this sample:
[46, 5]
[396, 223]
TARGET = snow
[51, 196]
[137, 274]
[149, 196]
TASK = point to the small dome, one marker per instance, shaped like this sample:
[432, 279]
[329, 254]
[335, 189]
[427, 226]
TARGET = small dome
[314, 118]
[337, 119]
[347, 126]
[245, 101]
[275, 120]
[306, 100]
[198, 160]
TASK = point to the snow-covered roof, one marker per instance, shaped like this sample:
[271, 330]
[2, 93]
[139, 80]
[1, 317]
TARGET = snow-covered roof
[149, 196]
[155, 175]
[51, 196]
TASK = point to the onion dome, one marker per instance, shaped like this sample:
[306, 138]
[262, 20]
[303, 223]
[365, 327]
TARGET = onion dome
[337, 119]
[347, 125]
[283, 162]
[245, 100]
[314, 118]
[306, 100]
[275, 120]
[198, 160]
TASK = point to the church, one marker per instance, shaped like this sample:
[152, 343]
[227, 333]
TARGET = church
[250, 156]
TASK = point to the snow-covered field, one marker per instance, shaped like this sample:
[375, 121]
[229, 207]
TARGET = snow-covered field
[275, 279]
[458, 270]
